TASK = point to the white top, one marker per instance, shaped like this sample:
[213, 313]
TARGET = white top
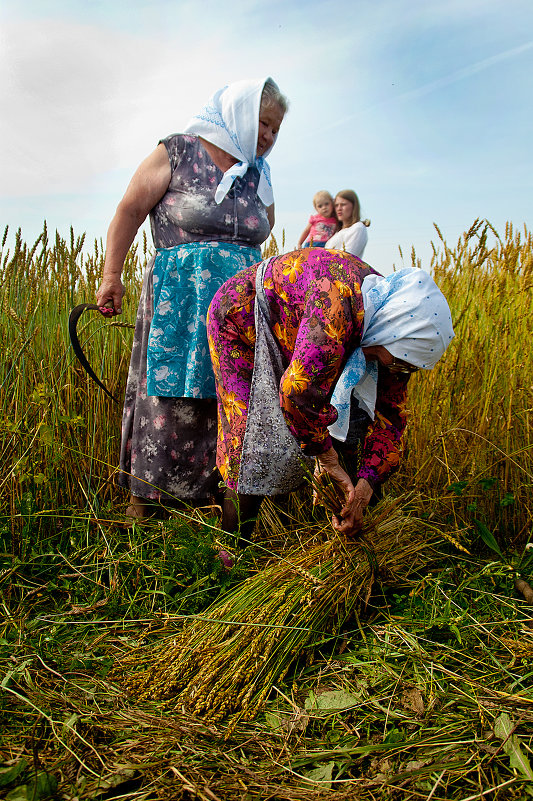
[353, 239]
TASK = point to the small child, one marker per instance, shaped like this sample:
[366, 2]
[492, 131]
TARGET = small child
[322, 225]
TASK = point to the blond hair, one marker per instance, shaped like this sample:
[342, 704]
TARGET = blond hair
[323, 194]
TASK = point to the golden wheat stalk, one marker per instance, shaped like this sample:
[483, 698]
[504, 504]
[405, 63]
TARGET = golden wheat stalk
[224, 664]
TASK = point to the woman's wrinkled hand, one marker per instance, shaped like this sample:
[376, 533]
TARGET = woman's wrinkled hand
[351, 517]
[109, 296]
[356, 499]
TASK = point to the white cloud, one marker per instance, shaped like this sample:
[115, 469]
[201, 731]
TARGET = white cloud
[81, 100]
[87, 88]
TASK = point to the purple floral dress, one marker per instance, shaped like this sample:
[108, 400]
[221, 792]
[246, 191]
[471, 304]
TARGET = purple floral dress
[316, 312]
[169, 442]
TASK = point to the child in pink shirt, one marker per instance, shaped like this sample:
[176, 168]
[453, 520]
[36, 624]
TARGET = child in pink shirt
[322, 225]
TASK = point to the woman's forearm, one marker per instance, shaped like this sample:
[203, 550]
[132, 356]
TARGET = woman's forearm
[146, 188]
[350, 518]
[120, 235]
[382, 448]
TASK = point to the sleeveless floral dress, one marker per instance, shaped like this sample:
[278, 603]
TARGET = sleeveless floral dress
[169, 425]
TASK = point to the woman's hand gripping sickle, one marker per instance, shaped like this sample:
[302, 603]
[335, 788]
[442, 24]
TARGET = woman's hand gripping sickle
[350, 520]
[109, 297]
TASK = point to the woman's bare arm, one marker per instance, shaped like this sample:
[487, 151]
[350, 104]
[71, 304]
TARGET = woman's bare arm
[356, 499]
[146, 188]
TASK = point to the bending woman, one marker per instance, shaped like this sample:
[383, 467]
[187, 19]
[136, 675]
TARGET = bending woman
[323, 327]
[209, 196]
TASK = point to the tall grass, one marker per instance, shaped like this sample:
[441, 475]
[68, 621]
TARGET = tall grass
[58, 434]
[468, 442]
[431, 696]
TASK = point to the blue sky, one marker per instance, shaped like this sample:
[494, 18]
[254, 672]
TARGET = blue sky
[422, 106]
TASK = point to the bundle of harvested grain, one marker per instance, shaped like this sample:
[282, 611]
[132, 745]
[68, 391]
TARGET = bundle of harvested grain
[224, 664]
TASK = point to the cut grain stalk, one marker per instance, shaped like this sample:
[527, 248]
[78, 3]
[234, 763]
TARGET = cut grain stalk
[223, 666]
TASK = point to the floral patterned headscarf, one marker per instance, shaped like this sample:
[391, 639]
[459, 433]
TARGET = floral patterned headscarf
[230, 120]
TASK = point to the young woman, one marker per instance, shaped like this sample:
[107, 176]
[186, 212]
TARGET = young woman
[353, 236]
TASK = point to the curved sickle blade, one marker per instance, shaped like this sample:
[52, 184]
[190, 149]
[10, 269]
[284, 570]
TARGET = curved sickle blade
[73, 318]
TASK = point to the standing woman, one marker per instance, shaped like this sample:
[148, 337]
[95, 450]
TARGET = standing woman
[353, 236]
[210, 200]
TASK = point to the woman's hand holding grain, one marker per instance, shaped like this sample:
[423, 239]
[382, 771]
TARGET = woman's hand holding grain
[353, 516]
[356, 499]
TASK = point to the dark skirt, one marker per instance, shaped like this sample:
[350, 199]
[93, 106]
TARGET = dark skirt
[168, 444]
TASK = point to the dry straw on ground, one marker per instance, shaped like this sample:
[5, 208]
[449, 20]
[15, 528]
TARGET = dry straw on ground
[439, 676]
[224, 664]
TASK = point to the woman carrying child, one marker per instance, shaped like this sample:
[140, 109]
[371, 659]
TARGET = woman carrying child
[321, 225]
[352, 236]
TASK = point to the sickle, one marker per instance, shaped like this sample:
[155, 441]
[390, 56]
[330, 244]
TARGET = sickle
[74, 316]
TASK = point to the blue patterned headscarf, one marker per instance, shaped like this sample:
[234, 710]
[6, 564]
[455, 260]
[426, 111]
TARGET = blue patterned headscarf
[230, 120]
[406, 313]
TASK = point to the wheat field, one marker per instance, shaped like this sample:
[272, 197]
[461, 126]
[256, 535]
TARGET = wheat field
[422, 691]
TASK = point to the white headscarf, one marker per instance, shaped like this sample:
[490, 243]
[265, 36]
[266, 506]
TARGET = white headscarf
[405, 312]
[230, 120]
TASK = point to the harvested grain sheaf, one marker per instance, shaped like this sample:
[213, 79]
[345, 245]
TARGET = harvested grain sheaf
[224, 664]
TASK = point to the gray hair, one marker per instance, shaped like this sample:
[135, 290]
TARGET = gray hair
[272, 95]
